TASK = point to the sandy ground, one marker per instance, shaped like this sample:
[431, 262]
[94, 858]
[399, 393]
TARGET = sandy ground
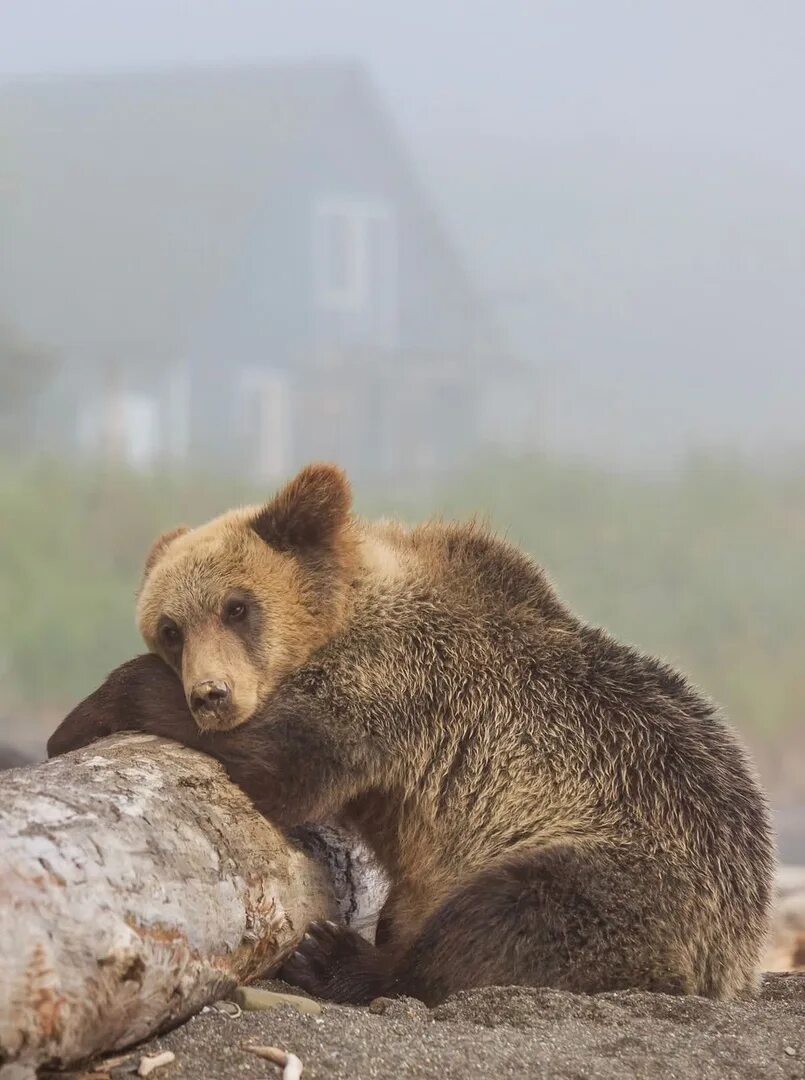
[507, 1032]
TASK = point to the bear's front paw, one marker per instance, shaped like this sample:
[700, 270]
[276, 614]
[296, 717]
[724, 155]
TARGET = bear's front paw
[141, 695]
[336, 963]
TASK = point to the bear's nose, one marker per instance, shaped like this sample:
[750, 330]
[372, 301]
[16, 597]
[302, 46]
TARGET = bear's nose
[210, 694]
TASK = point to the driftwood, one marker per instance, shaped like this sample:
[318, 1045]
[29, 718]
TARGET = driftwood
[137, 884]
[786, 950]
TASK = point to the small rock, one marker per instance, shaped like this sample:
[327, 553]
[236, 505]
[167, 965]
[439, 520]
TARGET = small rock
[228, 1008]
[790, 1051]
[251, 999]
[379, 1005]
[401, 1008]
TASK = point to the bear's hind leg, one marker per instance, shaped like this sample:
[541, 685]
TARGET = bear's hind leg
[574, 917]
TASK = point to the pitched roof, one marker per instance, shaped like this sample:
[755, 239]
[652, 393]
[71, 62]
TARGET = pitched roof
[128, 197]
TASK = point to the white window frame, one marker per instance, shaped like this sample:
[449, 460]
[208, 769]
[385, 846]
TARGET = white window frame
[122, 425]
[271, 390]
[176, 423]
[358, 214]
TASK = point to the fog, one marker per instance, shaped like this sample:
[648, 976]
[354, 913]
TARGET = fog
[544, 261]
[622, 180]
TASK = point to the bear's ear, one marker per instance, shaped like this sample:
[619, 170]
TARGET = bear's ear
[160, 546]
[308, 513]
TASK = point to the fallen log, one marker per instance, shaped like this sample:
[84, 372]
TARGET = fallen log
[138, 884]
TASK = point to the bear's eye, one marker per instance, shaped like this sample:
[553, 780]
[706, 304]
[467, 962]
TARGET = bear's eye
[170, 635]
[235, 611]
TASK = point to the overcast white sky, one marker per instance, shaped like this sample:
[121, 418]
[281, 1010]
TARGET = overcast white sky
[725, 74]
[624, 176]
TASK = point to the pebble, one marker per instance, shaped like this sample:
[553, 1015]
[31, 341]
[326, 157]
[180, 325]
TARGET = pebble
[251, 999]
[399, 1008]
[379, 1005]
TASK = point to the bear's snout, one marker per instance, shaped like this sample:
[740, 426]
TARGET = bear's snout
[211, 695]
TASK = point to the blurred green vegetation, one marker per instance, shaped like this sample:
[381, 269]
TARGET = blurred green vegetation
[705, 567]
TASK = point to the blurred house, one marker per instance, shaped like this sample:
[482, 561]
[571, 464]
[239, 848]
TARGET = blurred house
[237, 268]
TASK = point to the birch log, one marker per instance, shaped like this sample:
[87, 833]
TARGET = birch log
[137, 884]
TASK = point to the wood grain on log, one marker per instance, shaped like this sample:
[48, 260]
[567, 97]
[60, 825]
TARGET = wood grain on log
[136, 885]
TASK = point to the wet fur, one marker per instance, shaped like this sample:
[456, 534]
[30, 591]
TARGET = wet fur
[553, 808]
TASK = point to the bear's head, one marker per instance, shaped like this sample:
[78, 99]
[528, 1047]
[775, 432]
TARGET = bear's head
[235, 605]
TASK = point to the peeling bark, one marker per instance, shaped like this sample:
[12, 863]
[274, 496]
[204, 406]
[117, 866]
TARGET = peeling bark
[137, 884]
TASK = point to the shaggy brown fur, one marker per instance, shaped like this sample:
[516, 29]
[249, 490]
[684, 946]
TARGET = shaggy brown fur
[244, 600]
[553, 808]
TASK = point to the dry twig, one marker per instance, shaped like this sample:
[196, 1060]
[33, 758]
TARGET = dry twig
[149, 1064]
[289, 1063]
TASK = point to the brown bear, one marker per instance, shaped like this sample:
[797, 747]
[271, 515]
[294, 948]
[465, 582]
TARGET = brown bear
[552, 808]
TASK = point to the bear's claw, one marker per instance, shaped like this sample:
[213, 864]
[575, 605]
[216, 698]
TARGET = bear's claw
[331, 961]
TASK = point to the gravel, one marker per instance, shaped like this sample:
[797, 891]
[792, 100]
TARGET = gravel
[506, 1032]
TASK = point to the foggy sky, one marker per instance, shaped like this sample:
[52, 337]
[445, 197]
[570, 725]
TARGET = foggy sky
[624, 178]
[723, 74]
